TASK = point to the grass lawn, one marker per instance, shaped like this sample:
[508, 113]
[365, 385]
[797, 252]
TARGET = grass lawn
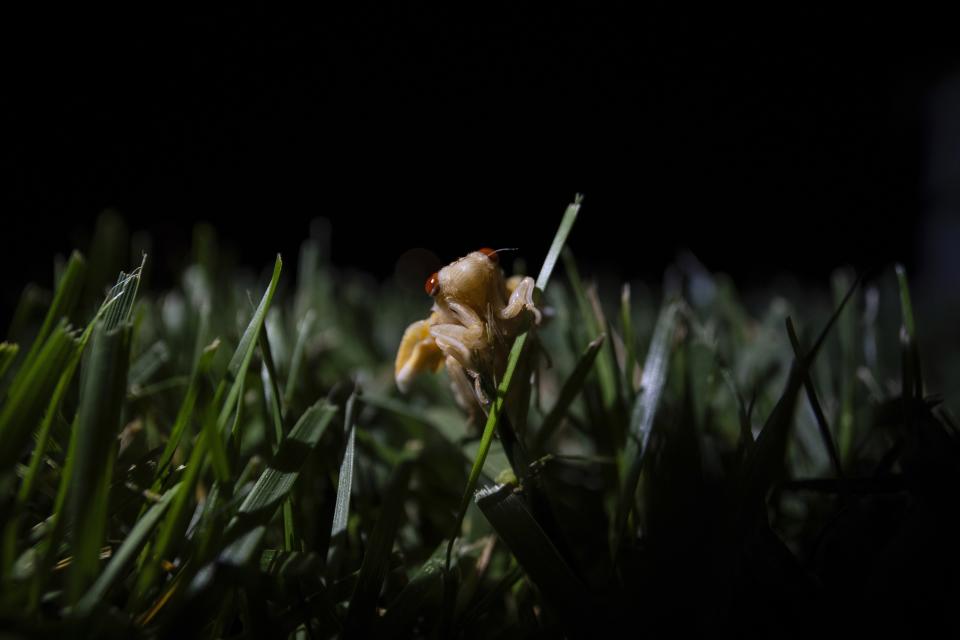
[231, 458]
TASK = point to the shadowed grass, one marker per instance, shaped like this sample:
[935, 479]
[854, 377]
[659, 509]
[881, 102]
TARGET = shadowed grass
[154, 483]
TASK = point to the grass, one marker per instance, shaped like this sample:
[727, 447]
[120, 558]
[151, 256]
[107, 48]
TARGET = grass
[191, 462]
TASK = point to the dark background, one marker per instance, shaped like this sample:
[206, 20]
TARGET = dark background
[765, 142]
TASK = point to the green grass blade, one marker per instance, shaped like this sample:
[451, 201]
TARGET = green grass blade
[125, 555]
[846, 328]
[337, 549]
[821, 419]
[304, 327]
[30, 392]
[509, 515]
[172, 528]
[629, 340]
[216, 448]
[240, 362]
[33, 302]
[614, 378]
[559, 241]
[276, 482]
[103, 387]
[341, 512]
[121, 294]
[363, 603]
[644, 411]
[143, 368]
[185, 413]
[65, 299]
[43, 434]
[912, 371]
[906, 306]
[241, 551]
[606, 372]
[568, 393]
[252, 333]
[8, 353]
[765, 458]
[271, 388]
[119, 304]
[246, 530]
[743, 414]
[39, 450]
[271, 392]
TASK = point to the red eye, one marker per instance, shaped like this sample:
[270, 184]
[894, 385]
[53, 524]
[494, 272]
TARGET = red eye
[490, 253]
[432, 287]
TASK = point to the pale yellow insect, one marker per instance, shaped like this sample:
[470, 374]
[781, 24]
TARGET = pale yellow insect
[476, 315]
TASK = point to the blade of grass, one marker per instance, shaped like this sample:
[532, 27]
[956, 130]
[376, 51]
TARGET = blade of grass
[30, 393]
[509, 515]
[606, 375]
[363, 603]
[148, 363]
[119, 305]
[8, 353]
[64, 300]
[559, 241]
[764, 460]
[271, 392]
[32, 303]
[43, 433]
[231, 387]
[175, 522]
[743, 413]
[185, 413]
[912, 372]
[641, 420]
[615, 380]
[271, 389]
[241, 552]
[345, 483]
[336, 551]
[568, 393]
[276, 482]
[57, 524]
[848, 374]
[815, 404]
[240, 362]
[217, 450]
[103, 385]
[12, 527]
[125, 555]
[296, 359]
[626, 321]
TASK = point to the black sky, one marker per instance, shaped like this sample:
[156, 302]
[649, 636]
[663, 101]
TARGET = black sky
[783, 141]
